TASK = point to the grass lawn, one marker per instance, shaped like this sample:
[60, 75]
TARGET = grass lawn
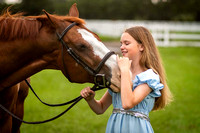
[181, 116]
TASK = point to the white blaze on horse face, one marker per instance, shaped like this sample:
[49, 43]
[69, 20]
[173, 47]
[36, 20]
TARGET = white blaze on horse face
[100, 50]
[98, 47]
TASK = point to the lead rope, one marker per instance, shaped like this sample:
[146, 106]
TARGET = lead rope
[51, 105]
[74, 102]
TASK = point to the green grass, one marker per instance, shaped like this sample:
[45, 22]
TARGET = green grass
[181, 116]
[108, 38]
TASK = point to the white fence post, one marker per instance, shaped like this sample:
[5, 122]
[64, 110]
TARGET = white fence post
[166, 36]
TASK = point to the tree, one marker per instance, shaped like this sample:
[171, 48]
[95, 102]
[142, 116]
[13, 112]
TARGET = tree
[178, 10]
[34, 7]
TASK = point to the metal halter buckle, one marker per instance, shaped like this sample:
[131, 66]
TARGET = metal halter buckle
[101, 81]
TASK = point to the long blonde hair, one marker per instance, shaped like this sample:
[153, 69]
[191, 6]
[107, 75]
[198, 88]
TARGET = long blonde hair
[151, 59]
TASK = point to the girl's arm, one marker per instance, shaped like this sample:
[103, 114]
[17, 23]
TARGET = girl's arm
[131, 98]
[98, 106]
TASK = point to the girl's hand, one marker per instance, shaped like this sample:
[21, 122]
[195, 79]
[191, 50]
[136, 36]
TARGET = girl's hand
[124, 63]
[87, 94]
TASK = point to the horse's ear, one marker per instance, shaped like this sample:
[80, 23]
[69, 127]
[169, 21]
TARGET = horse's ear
[73, 11]
[52, 19]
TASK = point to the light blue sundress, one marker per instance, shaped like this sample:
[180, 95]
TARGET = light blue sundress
[125, 123]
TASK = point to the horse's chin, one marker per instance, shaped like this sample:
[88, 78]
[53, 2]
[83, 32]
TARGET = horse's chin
[114, 88]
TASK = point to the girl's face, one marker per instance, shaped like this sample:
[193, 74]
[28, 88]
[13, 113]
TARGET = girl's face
[130, 47]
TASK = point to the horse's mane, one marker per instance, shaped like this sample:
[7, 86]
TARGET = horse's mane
[17, 26]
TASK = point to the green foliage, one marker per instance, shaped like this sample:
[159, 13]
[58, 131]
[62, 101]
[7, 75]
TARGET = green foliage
[116, 9]
[3, 6]
[140, 9]
[34, 7]
[181, 116]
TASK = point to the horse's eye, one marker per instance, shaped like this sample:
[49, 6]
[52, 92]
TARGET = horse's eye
[82, 47]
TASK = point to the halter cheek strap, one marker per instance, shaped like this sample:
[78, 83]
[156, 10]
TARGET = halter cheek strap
[65, 31]
[94, 72]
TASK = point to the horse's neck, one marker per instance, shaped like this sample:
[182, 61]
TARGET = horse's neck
[16, 54]
[19, 60]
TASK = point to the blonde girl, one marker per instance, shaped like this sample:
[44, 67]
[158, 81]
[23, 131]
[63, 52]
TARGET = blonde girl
[143, 85]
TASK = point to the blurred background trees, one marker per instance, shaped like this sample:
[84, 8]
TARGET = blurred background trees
[176, 10]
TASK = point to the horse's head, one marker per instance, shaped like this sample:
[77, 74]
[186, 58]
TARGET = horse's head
[86, 46]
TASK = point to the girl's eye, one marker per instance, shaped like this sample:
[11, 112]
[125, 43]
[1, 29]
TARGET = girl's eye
[126, 43]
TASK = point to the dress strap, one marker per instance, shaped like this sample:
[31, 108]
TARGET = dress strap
[133, 113]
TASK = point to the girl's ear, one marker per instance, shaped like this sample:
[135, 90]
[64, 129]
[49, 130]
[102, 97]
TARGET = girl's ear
[141, 47]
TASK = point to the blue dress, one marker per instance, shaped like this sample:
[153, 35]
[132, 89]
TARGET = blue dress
[125, 123]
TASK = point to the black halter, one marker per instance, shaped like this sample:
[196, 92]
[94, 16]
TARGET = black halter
[100, 81]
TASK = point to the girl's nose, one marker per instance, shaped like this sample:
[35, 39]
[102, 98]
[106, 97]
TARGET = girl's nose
[122, 47]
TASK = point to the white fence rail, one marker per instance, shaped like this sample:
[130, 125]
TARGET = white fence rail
[165, 33]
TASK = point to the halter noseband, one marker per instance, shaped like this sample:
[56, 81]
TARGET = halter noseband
[99, 79]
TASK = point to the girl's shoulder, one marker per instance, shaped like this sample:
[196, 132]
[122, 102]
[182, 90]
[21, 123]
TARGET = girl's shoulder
[148, 74]
[150, 78]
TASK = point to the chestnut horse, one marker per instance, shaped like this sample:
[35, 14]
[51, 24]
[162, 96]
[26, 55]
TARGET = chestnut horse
[30, 44]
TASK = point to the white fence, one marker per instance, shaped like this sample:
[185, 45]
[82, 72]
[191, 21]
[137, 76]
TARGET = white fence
[165, 33]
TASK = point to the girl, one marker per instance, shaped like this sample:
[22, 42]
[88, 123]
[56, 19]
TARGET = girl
[143, 85]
